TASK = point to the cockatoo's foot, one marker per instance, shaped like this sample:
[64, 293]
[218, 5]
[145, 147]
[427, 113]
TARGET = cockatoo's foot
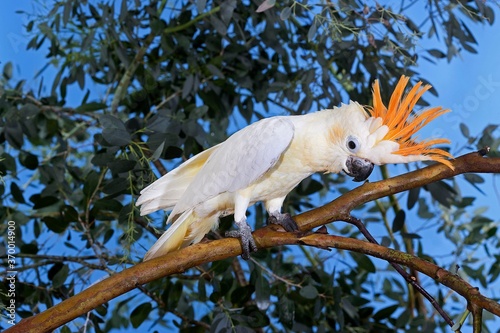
[284, 220]
[244, 233]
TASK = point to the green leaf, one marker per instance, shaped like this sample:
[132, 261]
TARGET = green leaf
[399, 221]
[17, 193]
[466, 201]
[309, 186]
[215, 71]
[349, 308]
[489, 15]
[286, 309]
[241, 295]
[7, 71]
[28, 160]
[187, 87]
[107, 236]
[266, 5]
[411, 235]
[157, 153]
[474, 178]
[91, 183]
[58, 274]
[55, 224]
[413, 196]
[69, 214]
[140, 314]
[91, 107]
[221, 323]
[30, 248]
[40, 201]
[363, 262]
[386, 241]
[116, 137]
[94, 12]
[7, 163]
[108, 204]
[14, 134]
[255, 318]
[227, 10]
[29, 111]
[262, 291]
[309, 292]
[202, 290]
[65, 329]
[68, 5]
[386, 312]
[200, 5]
[218, 25]
[441, 192]
[423, 209]
[174, 295]
[114, 131]
[122, 165]
[116, 186]
[312, 31]
[285, 13]
[437, 53]
[60, 277]
[465, 130]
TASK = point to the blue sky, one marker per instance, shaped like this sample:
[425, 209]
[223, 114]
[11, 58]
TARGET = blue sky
[470, 85]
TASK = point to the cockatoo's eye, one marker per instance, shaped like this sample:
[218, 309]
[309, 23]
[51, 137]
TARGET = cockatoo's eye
[352, 144]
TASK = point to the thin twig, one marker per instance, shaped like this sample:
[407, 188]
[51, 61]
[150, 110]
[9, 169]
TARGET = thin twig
[277, 277]
[148, 227]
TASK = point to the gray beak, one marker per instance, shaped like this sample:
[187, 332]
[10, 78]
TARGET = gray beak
[359, 168]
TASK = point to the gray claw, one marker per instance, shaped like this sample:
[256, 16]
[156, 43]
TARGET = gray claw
[284, 220]
[244, 233]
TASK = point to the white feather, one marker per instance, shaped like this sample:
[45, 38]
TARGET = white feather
[165, 192]
[172, 239]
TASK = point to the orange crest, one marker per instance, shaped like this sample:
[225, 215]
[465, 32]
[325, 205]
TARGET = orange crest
[403, 124]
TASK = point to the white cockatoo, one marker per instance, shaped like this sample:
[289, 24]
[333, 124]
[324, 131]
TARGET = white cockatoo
[267, 159]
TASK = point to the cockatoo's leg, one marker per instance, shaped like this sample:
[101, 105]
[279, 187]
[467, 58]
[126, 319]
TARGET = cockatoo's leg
[244, 233]
[273, 207]
[284, 220]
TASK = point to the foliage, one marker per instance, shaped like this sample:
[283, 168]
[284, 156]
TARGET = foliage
[157, 82]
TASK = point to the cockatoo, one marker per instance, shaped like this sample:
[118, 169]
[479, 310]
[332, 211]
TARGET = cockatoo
[267, 159]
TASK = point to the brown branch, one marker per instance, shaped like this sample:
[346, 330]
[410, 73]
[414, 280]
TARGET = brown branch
[198, 254]
[445, 277]
[477, 317]
[411, 279]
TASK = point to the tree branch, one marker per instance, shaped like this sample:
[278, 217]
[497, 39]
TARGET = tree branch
[410, 279]
[180, 261]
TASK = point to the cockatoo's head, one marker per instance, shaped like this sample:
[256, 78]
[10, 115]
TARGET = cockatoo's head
[385, 136]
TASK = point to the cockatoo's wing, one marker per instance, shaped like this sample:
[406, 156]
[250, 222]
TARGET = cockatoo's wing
[239, 161]
[165, 192]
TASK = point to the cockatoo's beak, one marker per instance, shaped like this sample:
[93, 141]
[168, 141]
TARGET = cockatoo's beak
[358, 168]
